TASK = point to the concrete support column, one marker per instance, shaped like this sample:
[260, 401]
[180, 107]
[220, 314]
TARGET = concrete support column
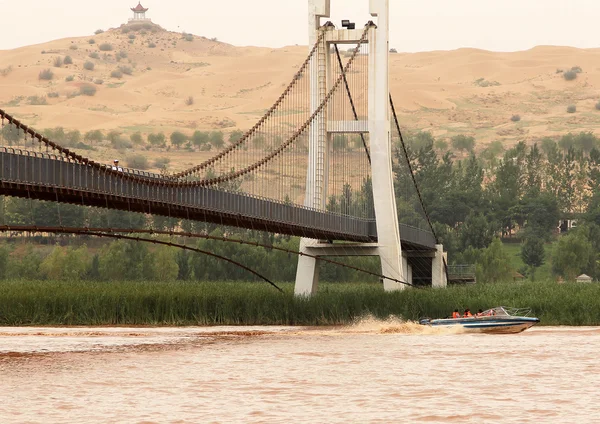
[307, 273]
[438, 269]
[388, 233]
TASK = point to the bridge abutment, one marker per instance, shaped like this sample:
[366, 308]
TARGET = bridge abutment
[307, 273]
[438, 267]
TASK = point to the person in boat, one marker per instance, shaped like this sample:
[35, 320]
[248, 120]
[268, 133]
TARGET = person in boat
[479, 313]
[468, 314]
[455, 314]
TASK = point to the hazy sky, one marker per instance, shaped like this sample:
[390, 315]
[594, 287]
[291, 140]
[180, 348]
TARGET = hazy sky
[417, 25]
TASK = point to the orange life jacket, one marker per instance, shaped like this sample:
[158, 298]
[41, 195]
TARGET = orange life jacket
[468, 315]
[455, 315]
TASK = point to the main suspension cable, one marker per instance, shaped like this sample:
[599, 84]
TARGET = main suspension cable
[118, 231]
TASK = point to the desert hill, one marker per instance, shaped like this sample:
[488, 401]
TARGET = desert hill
[148, 80]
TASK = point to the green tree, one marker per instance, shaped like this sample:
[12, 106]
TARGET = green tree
[136, 138]
[539, 215]
[11, 134]
[183, 259]
[27, 266]
[593, 211]
[567, 174]
[532, 253]
[496, 147]
[258, 142]
[157, 140]
[441, 145]
[494, 264]
[463, 142]
[216, 139]
[340, 141]
[548, 145]
[566, 141]
[235, 136]
[138, 162]
[554, 175]
[164, 223]
[57, 134]
[113, 136]
[73, 137]
[201, 139]
[115, 219]
[24, 212]
[125, 260]
[178, 138]
[586, 141]
[593, 170]
[52, 266]
[94, 269]
[165, 266]
[465, 194]
[420, 140]
[534, 171]
[4, 256]
[572, 255]
[508, 187]
[476, 232]
[95, 135]
[435, 178]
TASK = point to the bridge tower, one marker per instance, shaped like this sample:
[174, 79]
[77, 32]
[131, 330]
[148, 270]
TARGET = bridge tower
[388, 246]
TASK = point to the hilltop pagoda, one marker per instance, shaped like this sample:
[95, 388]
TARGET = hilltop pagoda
[139, 13]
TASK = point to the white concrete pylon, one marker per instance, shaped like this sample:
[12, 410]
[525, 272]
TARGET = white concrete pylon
[388, 247]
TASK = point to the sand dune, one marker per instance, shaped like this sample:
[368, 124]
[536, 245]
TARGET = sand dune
[465, 91]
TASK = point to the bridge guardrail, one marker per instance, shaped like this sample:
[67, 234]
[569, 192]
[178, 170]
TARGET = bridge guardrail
[47, 170]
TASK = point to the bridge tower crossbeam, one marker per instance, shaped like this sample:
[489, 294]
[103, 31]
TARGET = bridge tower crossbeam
[388, 246]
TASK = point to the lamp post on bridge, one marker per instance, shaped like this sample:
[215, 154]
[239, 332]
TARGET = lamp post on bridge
[394, 264]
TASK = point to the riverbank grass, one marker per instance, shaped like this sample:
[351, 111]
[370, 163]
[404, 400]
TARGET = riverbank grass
[235, 303]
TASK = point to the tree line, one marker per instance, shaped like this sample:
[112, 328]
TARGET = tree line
[472, 199]
[525, 192]
[198, 140]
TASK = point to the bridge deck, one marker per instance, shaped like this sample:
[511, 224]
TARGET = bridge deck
[47, 177]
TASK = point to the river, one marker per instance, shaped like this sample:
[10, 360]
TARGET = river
[373, 371]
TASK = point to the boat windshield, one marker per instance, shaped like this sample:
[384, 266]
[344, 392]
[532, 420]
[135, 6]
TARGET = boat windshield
[507, 312]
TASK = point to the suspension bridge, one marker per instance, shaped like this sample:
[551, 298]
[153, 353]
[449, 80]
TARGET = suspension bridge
[319, 164]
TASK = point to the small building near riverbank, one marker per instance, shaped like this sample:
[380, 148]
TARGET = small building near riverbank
[583, 278]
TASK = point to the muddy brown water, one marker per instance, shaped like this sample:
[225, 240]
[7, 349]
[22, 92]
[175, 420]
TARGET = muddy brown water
[373, 371]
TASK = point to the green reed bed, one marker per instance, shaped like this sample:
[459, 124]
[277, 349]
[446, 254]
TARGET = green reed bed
[184, 303]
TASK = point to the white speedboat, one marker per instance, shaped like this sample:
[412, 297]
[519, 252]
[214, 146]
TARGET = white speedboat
[499, 320]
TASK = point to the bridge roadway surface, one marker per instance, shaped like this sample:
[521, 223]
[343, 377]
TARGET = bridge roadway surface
[55, 178]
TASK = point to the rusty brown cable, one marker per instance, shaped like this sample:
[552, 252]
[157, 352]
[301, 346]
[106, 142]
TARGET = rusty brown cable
[96, 231]
[109, 234]
[299, 132]
[252, 130]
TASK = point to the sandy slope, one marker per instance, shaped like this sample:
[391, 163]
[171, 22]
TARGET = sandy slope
[233, 86]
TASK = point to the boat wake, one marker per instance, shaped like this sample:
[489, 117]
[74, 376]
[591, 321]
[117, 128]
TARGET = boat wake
[395, 325]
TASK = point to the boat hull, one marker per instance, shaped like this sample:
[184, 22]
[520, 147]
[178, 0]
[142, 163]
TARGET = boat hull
[489, 325]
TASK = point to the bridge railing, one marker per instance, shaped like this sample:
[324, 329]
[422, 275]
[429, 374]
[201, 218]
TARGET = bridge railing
[40, 169]
[49, 170]
[464, 273]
